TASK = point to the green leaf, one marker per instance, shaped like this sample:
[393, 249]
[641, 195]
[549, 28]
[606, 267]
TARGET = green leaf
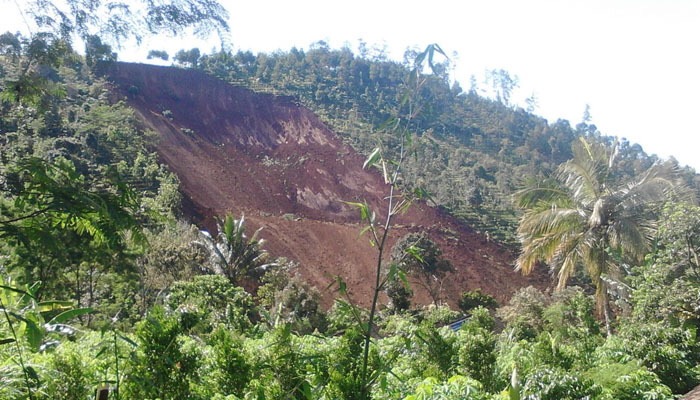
[31, 372]
[53, 305]
[415, 252]
[375, 156]
[14, 289]
[70, 314]
[365, 213]
[7, 340]
[34, 334]
[126, 339]
[102, 351]
[342, 286]
[404, 280]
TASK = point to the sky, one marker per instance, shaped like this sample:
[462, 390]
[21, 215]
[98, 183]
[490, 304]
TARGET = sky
[635, 63]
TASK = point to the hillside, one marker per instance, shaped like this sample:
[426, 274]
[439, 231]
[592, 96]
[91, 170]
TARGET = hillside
[273, 160]
[104, 289]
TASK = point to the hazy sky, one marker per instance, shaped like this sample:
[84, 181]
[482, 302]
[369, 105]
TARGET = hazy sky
[635, 62]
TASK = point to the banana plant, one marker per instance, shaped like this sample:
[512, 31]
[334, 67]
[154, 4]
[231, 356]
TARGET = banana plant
[38, 323]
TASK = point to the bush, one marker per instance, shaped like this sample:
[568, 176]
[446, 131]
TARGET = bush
[230, 369]
[455, 388]
[670, 352]
[476, 298]
[554, 384]
[71, 376]
[163, 367]
[628, 381]
[524, 313]
[291, 301]
[399, 294]
[476, 345]
[439, 314]
[345, 368]
[209, 300]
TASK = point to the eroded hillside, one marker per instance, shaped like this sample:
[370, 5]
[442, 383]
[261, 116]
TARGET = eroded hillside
[274, 161]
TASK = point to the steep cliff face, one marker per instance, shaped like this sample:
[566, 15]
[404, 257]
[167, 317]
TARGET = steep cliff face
[275, 161]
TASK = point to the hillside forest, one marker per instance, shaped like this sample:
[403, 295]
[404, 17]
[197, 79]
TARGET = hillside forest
[111, 290]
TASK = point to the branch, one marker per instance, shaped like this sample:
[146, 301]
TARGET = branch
[32, 215]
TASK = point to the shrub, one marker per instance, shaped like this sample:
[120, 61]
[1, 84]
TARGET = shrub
[554, 384]
[628, 381]
[477, 348]
[209, 300]
[476, 298]
[670, 352]
[162, 367]
[230, 368]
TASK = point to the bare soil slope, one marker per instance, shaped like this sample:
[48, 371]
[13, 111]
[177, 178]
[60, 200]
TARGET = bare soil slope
[275, 161]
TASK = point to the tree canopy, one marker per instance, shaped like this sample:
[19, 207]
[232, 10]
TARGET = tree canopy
[115, 21]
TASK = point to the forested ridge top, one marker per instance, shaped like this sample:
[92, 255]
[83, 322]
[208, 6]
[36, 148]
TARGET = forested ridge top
[477, 151]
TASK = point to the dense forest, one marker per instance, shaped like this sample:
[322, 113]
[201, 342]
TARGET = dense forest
[107, 289]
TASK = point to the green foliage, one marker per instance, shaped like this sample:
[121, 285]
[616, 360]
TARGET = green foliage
[98, 56]
[54, 194]
[165, 365]
[345, 368]
[286, 365]
[231, 253]
[399, 292]
[628, 381]
[438, 314]
[289, 300]
[416, 254]
[230, 370]
[37, 322]
[554, 384]
[437, 351]
[117, 22]
[72, 375]
[524, 312]
[343, 315]
[667, 286]
[34, 324]
[457, 387]
[160, 54]
[77, 184]
[669, 352]
[475, 298]
[171, 256]
[593, 216]
[209, 300]
[187, 57]
[477, 348]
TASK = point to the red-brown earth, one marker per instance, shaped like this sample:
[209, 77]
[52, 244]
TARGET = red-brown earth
[267, 157]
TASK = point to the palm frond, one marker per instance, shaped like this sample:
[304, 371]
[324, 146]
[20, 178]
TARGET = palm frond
[592, 215]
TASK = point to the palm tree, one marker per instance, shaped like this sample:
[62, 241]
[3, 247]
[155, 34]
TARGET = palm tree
[231, 253]
[590, 215]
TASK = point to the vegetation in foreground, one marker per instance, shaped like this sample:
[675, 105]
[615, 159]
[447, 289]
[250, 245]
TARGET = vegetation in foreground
[103, 287]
